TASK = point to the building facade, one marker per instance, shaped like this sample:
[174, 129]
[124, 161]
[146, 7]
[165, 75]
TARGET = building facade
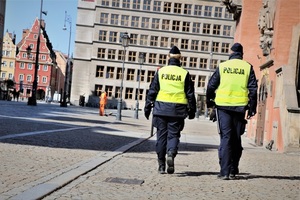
[270, 33]
[8, 56]
[202, 30]
[25, 63]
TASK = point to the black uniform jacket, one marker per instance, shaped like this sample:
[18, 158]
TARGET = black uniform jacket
[171, 109]
[214, 83]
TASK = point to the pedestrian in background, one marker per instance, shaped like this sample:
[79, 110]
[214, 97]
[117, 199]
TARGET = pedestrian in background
[171, 94]
[232, 89]
[103, 101]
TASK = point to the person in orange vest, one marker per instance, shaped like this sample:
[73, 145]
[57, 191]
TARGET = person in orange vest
[103, 101]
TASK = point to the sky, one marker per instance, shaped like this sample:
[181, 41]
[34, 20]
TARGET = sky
[20, 14]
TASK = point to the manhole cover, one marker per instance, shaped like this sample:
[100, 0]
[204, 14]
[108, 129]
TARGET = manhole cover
[124, 181]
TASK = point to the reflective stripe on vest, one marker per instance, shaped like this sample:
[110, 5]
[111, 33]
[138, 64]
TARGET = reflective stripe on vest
[171, 83]
[234, 76]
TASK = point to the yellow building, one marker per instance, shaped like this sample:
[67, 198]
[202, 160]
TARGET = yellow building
[8, 57]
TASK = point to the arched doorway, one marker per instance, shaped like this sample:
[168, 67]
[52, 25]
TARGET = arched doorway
[261, 112]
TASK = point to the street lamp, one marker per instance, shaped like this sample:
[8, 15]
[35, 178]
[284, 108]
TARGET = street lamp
[32, 99]
[209, 67]
[141, 61]
[69, 20]
[125, 39]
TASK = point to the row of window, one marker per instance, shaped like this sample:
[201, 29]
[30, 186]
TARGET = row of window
[29, 78]
[30, 66]
[166, 42]
[131, 74]
[3, 75]
[170, 7]
[165, 24]
[158, 59]
[11, 64]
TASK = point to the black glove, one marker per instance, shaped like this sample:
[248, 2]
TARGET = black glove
[213, 116]
[147, 114]
[251, 111]
[210, 103]
[191, 114]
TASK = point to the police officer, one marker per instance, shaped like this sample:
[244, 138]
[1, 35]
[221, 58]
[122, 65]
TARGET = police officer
[232, 89]
[171, 94]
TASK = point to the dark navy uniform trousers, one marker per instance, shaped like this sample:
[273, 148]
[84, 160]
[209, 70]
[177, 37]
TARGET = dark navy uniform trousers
[168, 135]
[231, 127]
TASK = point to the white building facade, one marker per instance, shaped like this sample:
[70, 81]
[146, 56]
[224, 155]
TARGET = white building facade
[202, 30]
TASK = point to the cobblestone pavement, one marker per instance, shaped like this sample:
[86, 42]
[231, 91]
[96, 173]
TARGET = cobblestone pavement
[79, 155]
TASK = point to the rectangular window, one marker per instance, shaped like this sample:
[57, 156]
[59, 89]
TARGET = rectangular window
[156, 6]
[129, 93]
[176, 25]
[201, 81]
[100, 71]
[44, 79]
[132, 56]
[152, 58]
[119, 73]
[121, 55]
[142, 76]
[198, 10]
[186, 26]
[113, 36]
[145, 22]
[215, 46]
[177, 8]
[45, 68]
[214, 63]
[130, 75]
[154, 41]
[117, 92]
[164, 41]
[111, 54]
[147, 4]
[225, 48]
[184, 43]
[135, 21]
[43, 57]
[126, 4]
[133, 38]
[28, 78]
[203, 63]
[204, 45]
[207, 11]
[167, 7]
[21, 77]
[193, 62]
[104, 18]
[101, 53]
[193, 77]
[125, 20]
[162, 59]
[174, 42]
[218, 12]
[228, 15]
[22, 65]
[110, 72]
[109, 90]
[194, 45]
[105, 3]
[11, 64]
[114, 20]
[184, 61]
[115, 3]
[29, 66]
[206, 29]
[143, 40]
[102, 35]
[165, 24]
[139, 94]
[196, 27]
[226, 30]
[216, 29]
[136, 4]
[187, 9]
[155, 23]
[150, 76]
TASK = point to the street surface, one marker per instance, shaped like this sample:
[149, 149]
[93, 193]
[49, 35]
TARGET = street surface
[52, 152]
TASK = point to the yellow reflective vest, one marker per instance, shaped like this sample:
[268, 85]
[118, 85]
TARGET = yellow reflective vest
[233, 91]
[171, 83]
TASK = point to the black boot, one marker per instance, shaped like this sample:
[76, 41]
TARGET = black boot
[161, 166]
[170, 162]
